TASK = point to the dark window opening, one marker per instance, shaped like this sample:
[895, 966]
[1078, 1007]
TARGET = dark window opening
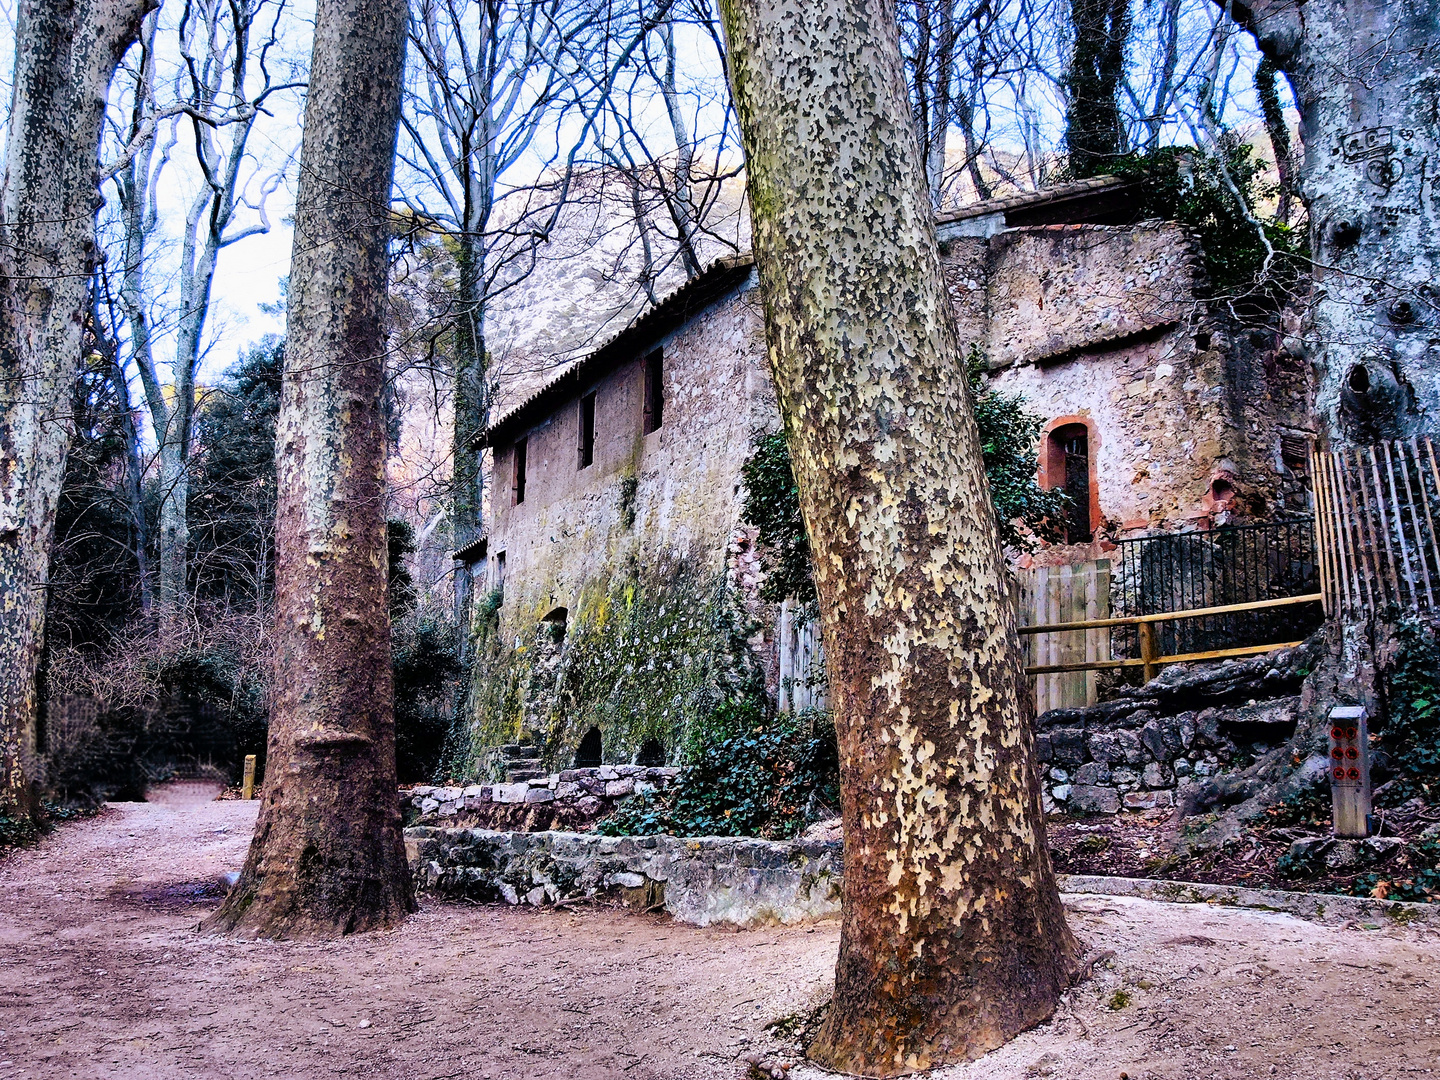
[587, 431]
[588, 754]
[1295, 453]
[1070, 471]
[654, 391]
[520, 449]
[652, 753]
[500, 576]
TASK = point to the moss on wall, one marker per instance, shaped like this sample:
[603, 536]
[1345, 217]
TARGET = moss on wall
[659, 651]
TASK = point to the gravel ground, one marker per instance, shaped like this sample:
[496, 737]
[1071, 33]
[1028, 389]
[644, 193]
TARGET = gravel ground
[103, 975]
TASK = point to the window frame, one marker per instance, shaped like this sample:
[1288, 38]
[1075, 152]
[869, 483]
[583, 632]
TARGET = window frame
[586, 456]
[519, 462]
[654, 392]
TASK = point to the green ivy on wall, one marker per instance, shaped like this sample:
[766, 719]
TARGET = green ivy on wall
[660, 652]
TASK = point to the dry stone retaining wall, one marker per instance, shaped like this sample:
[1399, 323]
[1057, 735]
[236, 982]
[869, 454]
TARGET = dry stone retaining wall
[1157, 746]
[592, 792]
[732, 880]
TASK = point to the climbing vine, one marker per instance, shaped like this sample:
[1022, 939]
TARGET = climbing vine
[1179, 183]
[1410, 731]
[772, 505]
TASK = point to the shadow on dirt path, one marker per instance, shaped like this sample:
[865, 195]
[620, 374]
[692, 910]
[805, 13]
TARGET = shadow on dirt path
[102, 974]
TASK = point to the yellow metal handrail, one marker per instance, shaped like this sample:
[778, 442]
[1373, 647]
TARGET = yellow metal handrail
[1146, 623]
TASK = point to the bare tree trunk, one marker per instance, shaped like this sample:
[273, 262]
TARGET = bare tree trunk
[130, 431]
[965, 111]
[1094, 131]
[953, 937]
[1364, 75]
[215, 42]
[65, 55]
[1266, 89]
[328, 857]
[471, 413]
[936, 140]
[680, 202]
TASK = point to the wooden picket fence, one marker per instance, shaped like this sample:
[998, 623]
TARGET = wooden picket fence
[1065, 594]
[1375, 514]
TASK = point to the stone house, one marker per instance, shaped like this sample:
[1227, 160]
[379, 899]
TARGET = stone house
[623, 603]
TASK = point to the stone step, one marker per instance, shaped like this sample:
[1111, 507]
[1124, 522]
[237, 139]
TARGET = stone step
[521, 753]
[516, 775]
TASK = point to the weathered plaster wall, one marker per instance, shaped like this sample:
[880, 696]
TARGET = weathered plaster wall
[673, 490]
[643, 548]
[1100, 325]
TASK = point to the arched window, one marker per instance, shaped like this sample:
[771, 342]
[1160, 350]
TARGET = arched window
[589, 753]
[1067, 467]
[652, 753]
[555, 623]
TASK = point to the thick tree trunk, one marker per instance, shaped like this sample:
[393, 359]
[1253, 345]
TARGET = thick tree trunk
[65, 55]
[1094, 132]
[953, 937]
[471, 412]
[1365, 74]
[328, 857]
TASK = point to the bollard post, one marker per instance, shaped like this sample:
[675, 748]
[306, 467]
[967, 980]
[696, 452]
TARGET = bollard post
[1350, 771]
[247, 788]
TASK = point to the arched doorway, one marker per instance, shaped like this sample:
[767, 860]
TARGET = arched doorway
[554, 624]
[1067, 465]
[589, 754]
[652, 753]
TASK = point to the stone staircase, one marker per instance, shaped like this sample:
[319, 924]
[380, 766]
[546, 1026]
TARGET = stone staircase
[522, 762]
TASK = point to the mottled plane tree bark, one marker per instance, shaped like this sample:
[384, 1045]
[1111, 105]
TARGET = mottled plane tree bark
[953, 937]
[1366, 76]
[66, 52]
[328, 857]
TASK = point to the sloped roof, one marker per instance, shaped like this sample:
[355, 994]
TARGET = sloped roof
[1098, 200]
[714, 283]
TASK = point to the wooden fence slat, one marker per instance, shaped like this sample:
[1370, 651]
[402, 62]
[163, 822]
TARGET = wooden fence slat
[1317, 482]
[1354, 533]
[1385, 526]
[1429, 518]
[1324, 496]
[1371, 542]
[1340, 527]
[1415, 522]
[1396, 511]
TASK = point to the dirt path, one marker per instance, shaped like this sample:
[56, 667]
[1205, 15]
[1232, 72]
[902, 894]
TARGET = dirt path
[102, 975]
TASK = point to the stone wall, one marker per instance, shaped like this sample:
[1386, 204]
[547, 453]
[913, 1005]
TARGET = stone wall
[590, 793]
[1178, 739]
[741, 882]
[1098, 325]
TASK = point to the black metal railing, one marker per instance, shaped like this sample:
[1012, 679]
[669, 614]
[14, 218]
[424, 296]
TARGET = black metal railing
[1234, 564]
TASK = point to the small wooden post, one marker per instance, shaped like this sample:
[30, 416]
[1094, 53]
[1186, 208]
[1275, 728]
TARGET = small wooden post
[1147, 650]
[1350, 770]
[247, 787]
